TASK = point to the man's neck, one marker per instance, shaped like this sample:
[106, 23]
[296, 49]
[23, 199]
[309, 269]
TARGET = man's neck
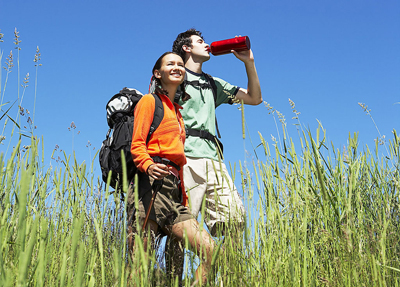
[194, 66]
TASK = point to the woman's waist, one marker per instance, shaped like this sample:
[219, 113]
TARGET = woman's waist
[174, 161]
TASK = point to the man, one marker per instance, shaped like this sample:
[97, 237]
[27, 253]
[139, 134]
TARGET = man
[205, 175]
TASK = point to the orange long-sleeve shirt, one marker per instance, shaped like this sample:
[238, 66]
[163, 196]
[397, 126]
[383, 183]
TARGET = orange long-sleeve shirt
[167, 141]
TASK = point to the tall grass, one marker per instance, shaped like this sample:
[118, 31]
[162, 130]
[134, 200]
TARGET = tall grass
[322, 217]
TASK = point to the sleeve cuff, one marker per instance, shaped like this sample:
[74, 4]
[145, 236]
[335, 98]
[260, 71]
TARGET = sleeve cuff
[146, 165]
[230, 101]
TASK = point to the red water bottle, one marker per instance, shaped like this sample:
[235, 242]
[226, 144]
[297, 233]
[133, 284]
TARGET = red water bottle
[225, 46]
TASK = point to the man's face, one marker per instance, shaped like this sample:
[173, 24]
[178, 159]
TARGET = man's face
[199, 48]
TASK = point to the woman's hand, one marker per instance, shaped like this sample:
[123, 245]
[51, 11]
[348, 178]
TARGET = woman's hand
[158, 171]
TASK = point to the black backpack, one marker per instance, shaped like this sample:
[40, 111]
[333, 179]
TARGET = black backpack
[120, 118]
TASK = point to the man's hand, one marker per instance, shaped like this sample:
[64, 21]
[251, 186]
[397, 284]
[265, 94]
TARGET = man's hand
[245, 56]
[158, 170]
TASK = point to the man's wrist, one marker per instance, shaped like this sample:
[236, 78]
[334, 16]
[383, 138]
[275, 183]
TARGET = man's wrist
[249, 62]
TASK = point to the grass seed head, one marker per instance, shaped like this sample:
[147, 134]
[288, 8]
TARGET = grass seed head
[364, 107]
[381, 140]
[21, 111]
[293, 107]
[16, 39]
[270, 109]
[37, 57]
[25, 81]
[72, 126]
[281, 117]
[9, 62]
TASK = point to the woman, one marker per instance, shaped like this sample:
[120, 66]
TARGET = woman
[169, 213]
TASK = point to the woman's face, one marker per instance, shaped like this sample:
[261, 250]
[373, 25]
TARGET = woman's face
[172, 70]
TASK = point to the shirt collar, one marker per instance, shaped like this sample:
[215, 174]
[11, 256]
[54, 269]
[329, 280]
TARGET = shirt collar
[193, 73]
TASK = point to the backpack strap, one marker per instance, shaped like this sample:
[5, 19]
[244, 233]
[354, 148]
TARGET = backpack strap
[214, 90]
[158, 115]
[211, 81]
[203, 134]
[209, 85]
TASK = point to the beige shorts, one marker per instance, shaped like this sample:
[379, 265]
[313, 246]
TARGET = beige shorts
[167, 208]
[209, 179]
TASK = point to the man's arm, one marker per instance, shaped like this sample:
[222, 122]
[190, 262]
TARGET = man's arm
[251, 96]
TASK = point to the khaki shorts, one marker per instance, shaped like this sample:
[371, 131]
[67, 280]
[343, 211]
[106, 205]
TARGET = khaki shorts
[167, 208]
[209, 180]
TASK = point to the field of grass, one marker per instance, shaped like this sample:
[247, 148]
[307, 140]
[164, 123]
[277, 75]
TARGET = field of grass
[322, 217]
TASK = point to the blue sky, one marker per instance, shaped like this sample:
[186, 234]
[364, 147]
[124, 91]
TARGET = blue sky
[326, 56]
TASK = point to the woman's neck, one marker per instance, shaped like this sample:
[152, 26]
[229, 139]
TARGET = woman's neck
[171, 92]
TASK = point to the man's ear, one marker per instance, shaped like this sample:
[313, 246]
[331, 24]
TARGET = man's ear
[186, 48]
[157, 74]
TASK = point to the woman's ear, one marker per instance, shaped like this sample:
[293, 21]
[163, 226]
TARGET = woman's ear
[157, 74]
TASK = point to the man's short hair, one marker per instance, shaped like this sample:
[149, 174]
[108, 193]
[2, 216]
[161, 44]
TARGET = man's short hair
[184, 38]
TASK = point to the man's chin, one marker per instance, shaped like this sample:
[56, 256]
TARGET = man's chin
[206, 58]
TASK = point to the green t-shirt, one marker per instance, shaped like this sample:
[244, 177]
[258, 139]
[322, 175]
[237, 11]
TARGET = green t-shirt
[199, 113]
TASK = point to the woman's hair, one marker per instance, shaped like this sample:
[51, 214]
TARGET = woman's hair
[158, 86]
[157, 65]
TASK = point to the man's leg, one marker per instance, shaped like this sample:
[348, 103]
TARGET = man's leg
[224, 207]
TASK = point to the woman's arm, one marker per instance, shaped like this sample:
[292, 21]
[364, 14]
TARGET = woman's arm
[144, 114]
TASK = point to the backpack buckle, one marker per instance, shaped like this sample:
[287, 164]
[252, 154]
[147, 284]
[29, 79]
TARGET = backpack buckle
[157, 159]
